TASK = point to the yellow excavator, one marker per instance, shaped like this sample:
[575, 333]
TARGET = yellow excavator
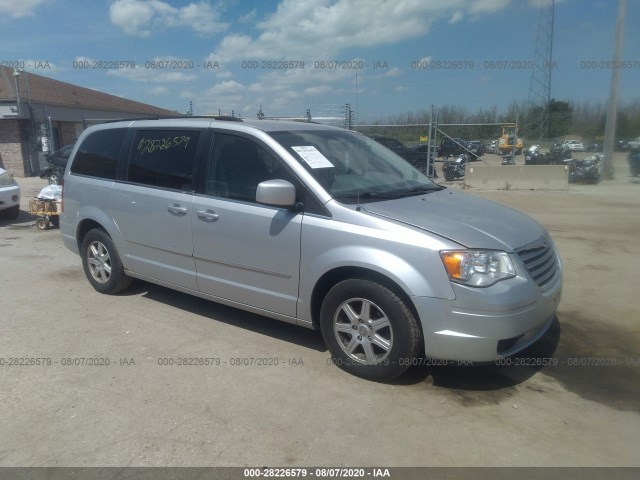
[507, 139]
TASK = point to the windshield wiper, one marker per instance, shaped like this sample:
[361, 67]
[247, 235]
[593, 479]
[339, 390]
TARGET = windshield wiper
[419, 190]
[366, 195]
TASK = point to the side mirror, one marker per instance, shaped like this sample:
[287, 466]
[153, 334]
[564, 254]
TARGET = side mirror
[279, 193]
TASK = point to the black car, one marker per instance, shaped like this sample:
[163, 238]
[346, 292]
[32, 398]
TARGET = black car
[415, 156]
[452, 147]
[477, 148]
[57, 163]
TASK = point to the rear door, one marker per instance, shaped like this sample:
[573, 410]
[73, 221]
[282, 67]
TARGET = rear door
[153, 206]
[244, 251]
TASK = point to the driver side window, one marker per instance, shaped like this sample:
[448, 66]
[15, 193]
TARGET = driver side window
[237, 165]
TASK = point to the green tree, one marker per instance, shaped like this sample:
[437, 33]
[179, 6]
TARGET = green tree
[560, 118]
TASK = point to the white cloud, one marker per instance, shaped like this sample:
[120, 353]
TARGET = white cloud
[21, 8]
[318, 29]
[159, 91]
[456, 17]
[394, 72]
[225, 88]
[157, 70]
[249, 17]
[141, 17]
[320, 90]
[486, 6]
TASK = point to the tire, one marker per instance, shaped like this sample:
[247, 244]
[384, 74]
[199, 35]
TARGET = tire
[369, 330]
[12, 212]
[42, 223]
[102, 264]
[54, 179]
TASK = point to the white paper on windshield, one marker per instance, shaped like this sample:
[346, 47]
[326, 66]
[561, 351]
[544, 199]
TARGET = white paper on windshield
[312, 157]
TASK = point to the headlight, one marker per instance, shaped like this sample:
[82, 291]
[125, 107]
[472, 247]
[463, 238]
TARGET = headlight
[477, 268]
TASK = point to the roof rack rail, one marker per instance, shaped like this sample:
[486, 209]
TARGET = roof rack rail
[127, 119]
[169, 117]
[225, 118]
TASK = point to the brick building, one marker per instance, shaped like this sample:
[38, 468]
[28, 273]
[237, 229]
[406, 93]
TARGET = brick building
[39, 114]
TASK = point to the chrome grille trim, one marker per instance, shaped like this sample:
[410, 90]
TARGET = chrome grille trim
[540, 260]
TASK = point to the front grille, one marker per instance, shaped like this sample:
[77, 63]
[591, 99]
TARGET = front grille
[540, 260]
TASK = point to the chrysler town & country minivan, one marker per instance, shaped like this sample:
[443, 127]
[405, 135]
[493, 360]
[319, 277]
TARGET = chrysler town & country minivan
[313, 225]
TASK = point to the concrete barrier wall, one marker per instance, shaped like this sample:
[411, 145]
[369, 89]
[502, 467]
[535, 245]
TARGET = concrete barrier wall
[517, 177]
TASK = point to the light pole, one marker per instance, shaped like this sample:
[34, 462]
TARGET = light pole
[32, 135]
[612, 111]
[16, 74]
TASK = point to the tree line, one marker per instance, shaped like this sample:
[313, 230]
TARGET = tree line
[585, 120]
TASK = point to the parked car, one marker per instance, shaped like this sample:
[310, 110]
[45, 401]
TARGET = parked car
[57, 162]
[415, 156]
[573, 145]
[421, 150]
[312, 225]
[595, 147]
[453, 147]
[477, 149]
[634, 144]
[621, 146]
[9, 196]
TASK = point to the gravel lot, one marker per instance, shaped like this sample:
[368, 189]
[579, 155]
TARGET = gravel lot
[581, 410]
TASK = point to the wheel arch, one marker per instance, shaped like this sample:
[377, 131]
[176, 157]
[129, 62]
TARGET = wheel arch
[85, 226]
[338, 274]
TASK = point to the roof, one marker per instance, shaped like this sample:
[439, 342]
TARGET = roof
[48, 91]
[209, 121]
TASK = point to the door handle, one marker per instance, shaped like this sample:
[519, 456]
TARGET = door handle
[177, 209]
[207, 215]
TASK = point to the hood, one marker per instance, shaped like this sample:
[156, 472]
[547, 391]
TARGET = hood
[466, 219]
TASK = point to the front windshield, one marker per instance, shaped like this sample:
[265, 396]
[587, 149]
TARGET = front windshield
[352, 167]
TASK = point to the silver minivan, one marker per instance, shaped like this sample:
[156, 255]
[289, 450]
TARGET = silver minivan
[312, 225]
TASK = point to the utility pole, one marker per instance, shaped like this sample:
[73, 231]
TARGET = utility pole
[612, 111]
[537, 112]
[430, 141]
[348, 117]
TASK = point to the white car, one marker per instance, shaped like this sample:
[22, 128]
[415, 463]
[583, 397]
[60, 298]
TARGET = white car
[9, 196]
[573, 145]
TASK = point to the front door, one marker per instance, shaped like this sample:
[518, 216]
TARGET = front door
[244, 251]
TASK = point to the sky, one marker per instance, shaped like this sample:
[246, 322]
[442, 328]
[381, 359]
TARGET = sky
[383, 57]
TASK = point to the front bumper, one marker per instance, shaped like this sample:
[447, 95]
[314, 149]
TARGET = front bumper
[9, 197]
[484, 324]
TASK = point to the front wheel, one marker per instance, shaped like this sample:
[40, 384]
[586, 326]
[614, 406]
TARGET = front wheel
[102, 264]
[10, 213]
[369, 330]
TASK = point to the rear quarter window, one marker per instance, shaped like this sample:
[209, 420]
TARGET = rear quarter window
[163, 158]
[97, 156]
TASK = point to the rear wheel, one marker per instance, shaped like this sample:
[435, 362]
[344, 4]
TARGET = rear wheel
[102, 264]
[369, 330]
